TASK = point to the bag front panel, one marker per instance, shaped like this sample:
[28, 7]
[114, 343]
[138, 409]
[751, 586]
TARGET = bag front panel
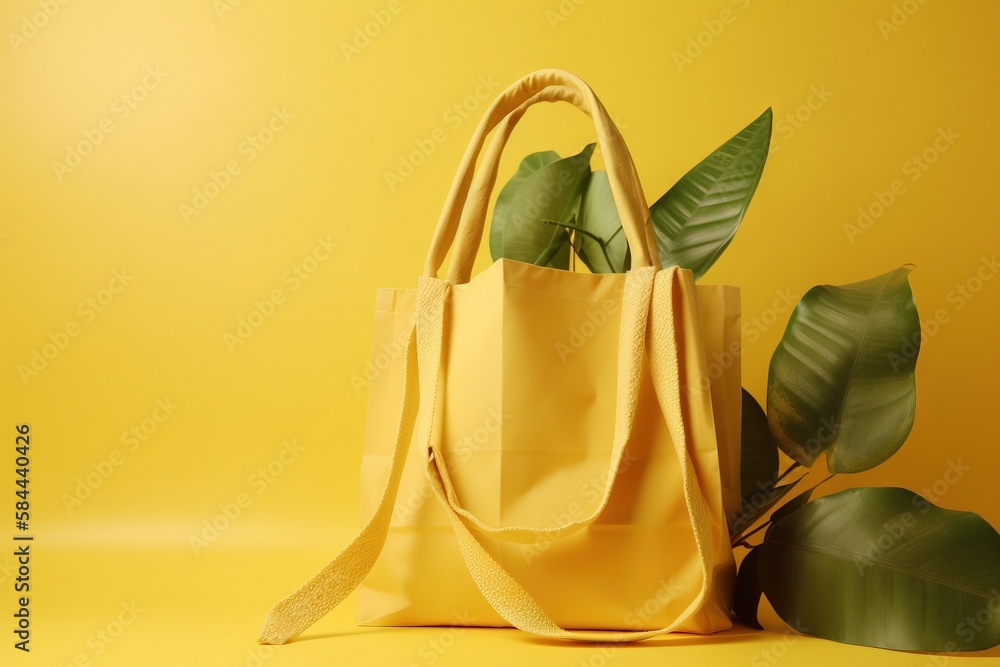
[526, 420]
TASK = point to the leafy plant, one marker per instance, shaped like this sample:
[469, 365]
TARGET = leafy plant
[873, 566]
[694, 220]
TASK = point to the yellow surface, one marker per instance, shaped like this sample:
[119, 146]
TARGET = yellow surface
[238, 163]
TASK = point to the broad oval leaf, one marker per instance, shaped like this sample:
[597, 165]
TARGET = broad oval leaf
[697, 218]
[748, 591]
[550, 192]
[758, 453]
[842, 378]
[600, 239]
[884, 567]
[529, 165]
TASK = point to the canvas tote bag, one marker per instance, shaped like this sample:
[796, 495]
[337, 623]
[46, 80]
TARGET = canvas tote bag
[544, 449]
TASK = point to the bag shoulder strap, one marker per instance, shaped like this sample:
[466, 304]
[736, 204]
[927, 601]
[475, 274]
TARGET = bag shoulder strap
[338, 578]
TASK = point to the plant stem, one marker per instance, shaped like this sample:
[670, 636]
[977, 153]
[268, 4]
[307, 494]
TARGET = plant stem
[600, 242]
[744, 537]
[782, 476]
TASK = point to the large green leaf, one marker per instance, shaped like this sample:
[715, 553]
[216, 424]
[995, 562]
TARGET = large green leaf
[758, 453]
[529, 165]
[697, 218]
[884, 567]
[542, 189]
[601, 241]
[842, 378]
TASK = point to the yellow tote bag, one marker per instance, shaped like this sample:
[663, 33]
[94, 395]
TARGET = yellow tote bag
[549, 450]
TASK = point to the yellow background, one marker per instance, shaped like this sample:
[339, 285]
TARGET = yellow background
[226, 69]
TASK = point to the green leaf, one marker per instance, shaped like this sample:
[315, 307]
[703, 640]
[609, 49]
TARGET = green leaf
[529, 165]
[698, 217]
[747, 598]
[842, 378]
[552, 191]
[603, 246]
[759, 454]
[884, 567]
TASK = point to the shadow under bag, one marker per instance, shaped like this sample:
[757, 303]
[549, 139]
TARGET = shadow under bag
[545, 449]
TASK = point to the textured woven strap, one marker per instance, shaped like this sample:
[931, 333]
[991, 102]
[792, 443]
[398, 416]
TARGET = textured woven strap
[454, 211]
[507, 597]
[338, 578]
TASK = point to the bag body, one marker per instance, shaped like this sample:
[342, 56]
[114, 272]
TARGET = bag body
[544, 449]
[526, 425]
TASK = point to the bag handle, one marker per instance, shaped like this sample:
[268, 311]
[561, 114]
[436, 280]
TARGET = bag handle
[327, 588]
[451, 214]
[549, 85]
